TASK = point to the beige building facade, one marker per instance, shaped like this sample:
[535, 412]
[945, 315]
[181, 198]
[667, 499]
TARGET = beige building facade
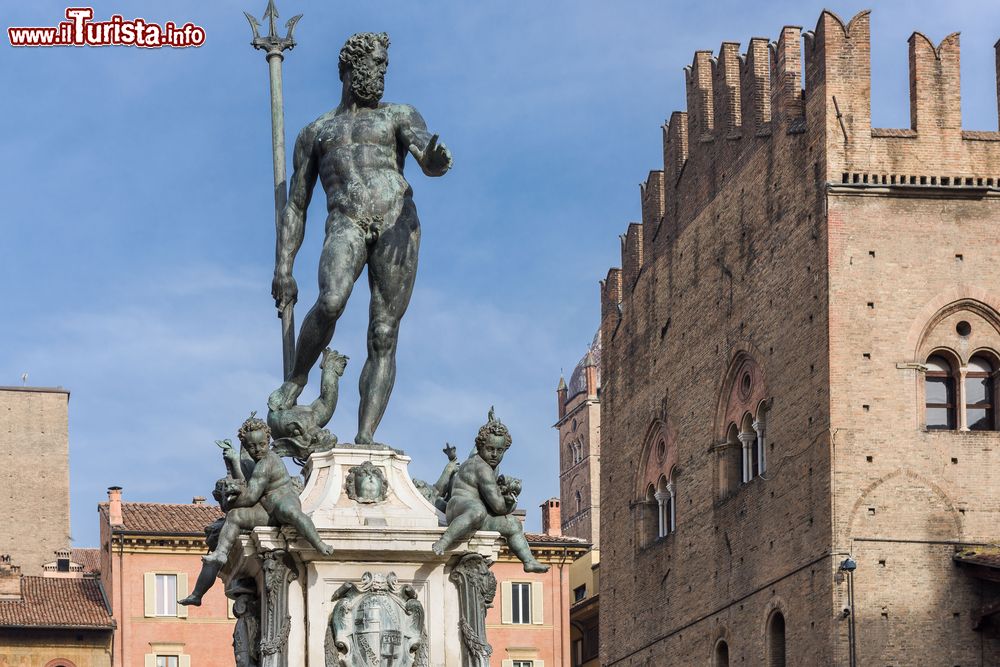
[800, 355]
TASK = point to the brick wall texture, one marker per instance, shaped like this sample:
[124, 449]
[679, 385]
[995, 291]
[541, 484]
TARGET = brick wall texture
[34, 475]
[788, 237]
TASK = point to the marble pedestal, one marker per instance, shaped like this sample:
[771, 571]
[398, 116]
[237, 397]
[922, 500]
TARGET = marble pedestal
[379, 523]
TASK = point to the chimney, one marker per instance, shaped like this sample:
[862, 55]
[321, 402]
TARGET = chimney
[551, 521]
[198, 500]
[115, 506]
[520, 515]
[10, 579]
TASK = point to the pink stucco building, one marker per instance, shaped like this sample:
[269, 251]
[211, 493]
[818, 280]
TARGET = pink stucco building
[150, 558]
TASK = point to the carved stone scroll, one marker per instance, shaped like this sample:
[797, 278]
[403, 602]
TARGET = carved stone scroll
[476, 589]
[246, 633]
[276, 623]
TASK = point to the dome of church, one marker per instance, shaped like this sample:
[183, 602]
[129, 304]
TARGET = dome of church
[578, 380]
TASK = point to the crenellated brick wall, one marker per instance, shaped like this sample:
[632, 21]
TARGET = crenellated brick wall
[784, 229]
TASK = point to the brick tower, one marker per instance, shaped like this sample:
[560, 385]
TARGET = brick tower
[800, 355]
[579, 425]
[34, 475]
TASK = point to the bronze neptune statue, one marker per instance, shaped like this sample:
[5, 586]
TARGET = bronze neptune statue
[357, 151]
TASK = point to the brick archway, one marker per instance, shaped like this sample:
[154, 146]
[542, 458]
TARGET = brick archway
[60, 662]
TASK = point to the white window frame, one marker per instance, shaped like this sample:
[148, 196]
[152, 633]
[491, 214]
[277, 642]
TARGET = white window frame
[535, 603]
[156, 604]
[520, 603]
[166, 597]
[165, 650]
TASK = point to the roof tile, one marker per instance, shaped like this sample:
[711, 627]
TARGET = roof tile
[57, 602]
[90, 559]
[187, 519]
[551, 539]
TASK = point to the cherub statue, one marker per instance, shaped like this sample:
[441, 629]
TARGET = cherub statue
[271, 486]
[298, 429]
[268, 498]
[481, 500]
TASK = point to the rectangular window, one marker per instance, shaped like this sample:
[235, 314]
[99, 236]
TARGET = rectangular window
[520, 605]
[579, 593]
[166, 661]
[523, 663]
[166, 604]
[939, 389]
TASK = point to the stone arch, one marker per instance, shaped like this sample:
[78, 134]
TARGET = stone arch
[987, 352]
[720, 650]
[60, 662]
[949, 301]
[776, 603]
[776, 606]
[953, 356]
[653, 463]
[907, 490]
[734, 396]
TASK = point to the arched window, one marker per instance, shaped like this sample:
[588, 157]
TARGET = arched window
[579, 501]
[776, 640]
[721, 657]
[939, 394]
[575, 451]
[979, 410]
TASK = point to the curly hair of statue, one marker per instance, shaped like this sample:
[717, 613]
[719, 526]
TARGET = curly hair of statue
[358, 46]
[253, 423]
[493, 427]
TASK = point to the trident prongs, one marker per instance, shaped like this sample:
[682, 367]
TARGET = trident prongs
[272, 43]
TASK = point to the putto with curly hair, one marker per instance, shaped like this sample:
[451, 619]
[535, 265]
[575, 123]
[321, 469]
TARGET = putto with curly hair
[493, 426]
[358, 46]
[253, 423]
[481, 499]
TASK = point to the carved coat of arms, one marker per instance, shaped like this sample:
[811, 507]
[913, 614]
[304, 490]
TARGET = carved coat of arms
[378, 623]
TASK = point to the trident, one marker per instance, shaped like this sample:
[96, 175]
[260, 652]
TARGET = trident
[274, 46]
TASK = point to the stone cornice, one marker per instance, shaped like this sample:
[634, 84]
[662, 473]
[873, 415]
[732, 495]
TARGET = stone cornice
[158, 543]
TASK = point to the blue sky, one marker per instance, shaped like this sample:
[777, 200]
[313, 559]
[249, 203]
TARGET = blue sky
[137, 230]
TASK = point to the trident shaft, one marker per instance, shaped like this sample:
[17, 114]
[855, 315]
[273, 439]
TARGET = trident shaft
[274, 47]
